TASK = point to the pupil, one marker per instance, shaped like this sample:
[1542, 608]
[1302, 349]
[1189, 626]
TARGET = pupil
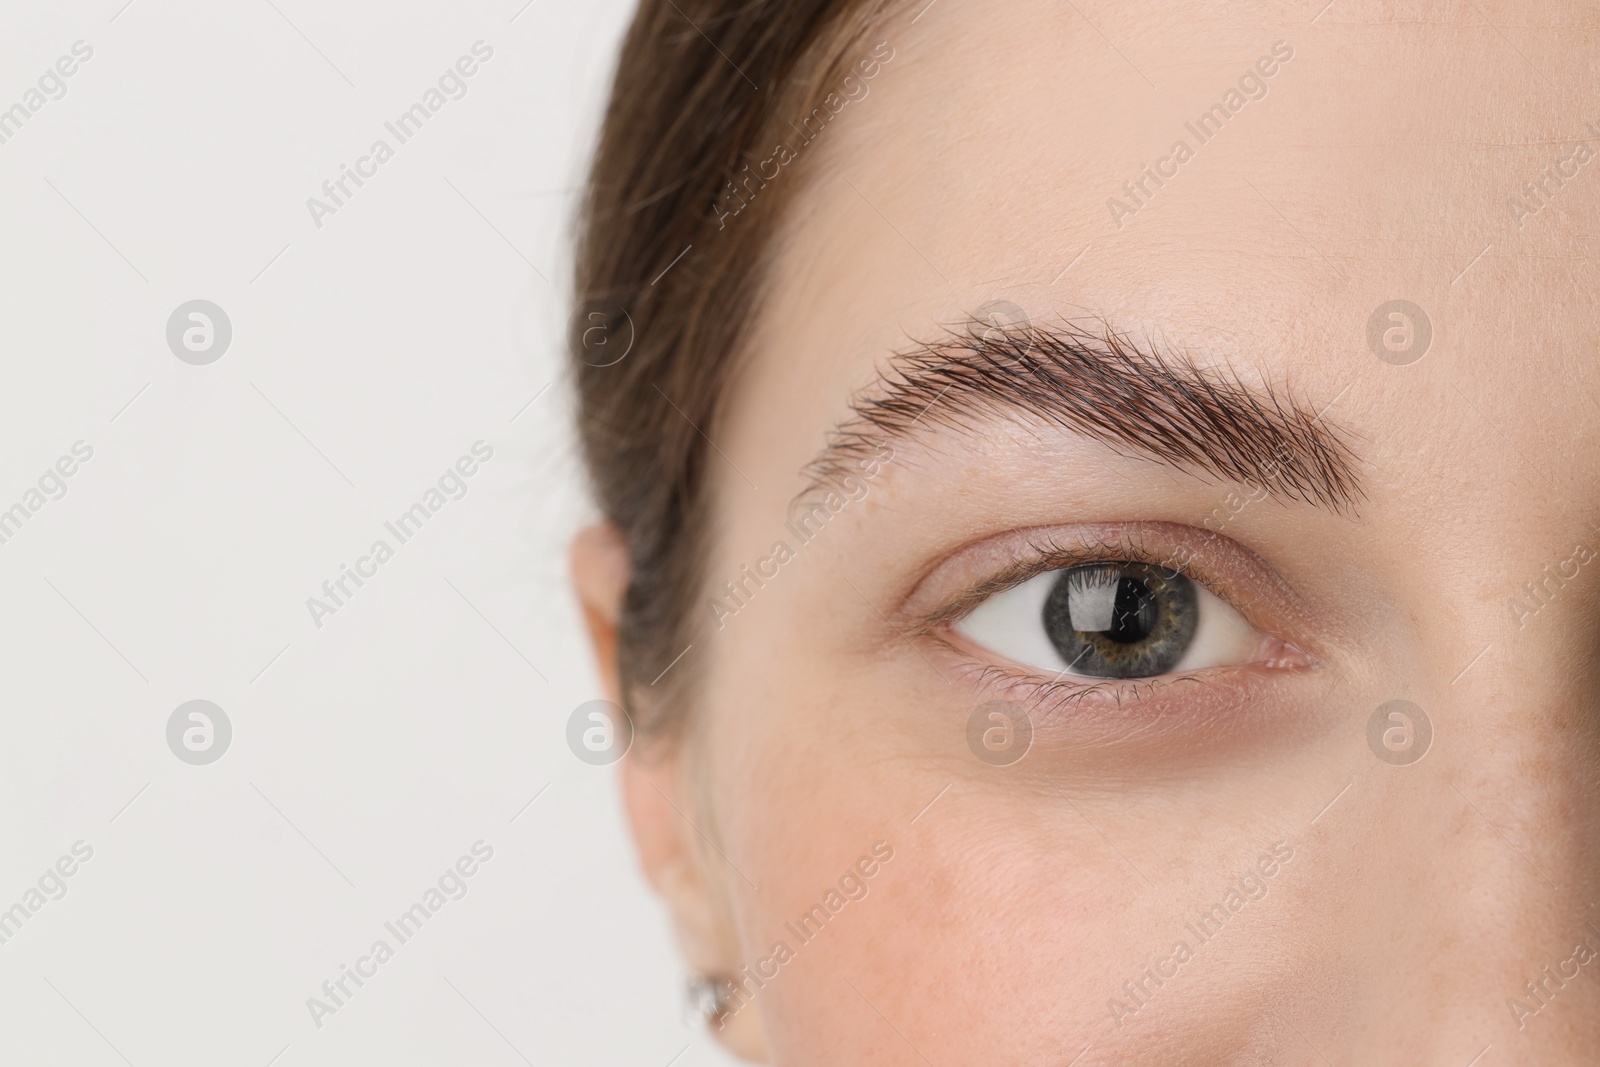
[1134, 614]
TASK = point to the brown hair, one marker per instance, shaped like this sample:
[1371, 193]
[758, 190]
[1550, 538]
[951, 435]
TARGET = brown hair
[667, 274]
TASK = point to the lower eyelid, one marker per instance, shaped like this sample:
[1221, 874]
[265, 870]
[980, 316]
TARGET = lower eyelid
[1047, 698]
[1186, 716]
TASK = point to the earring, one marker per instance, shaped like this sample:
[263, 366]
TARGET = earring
[710, 997]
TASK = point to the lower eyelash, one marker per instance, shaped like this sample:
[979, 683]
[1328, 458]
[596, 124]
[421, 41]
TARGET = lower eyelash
[1063, 695]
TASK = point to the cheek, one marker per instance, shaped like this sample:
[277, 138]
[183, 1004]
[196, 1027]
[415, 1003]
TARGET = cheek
[973, 890]
[808, 771]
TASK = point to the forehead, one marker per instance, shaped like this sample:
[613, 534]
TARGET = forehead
[1233, 180]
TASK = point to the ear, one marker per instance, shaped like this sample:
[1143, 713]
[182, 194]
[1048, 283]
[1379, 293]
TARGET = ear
[600, 573]
[656, 799]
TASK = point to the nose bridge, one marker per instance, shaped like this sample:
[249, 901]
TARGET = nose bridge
[1491, 928]
[1523, 736]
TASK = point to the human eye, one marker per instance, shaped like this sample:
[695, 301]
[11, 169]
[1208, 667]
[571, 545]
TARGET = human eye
[1111, 619]
[1110, 604]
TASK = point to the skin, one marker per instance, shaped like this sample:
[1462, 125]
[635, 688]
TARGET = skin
[1419, 898]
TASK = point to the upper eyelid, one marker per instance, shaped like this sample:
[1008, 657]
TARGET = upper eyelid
[1047, 557]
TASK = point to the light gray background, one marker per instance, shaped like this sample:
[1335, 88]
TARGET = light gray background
[367, 356]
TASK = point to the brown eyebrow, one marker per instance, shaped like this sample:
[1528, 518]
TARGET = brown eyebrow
[1104, 386]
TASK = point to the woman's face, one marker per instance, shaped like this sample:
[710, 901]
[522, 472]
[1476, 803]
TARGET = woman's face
[1241, 852]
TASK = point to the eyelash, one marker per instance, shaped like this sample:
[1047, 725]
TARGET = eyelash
[1059, 695]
